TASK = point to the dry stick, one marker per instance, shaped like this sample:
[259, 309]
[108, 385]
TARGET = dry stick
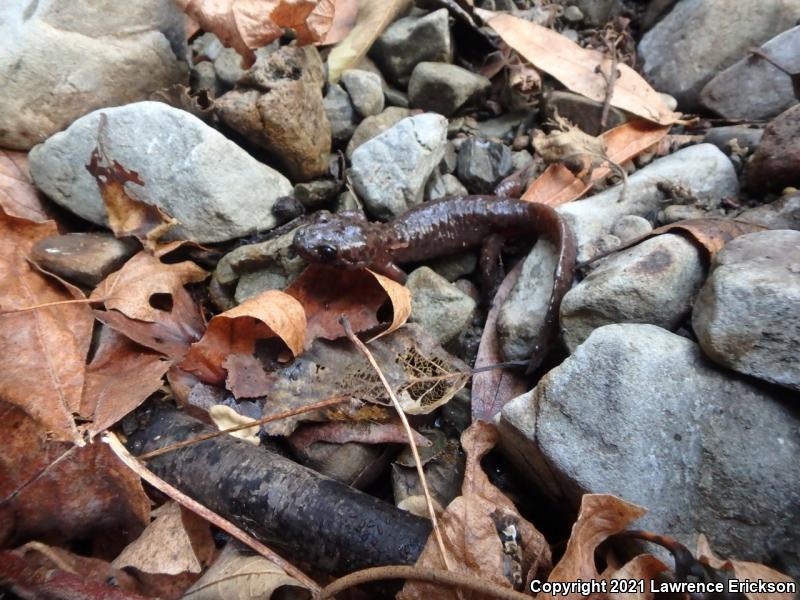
[611, 79]
[134, 465]
[277, 417]
[360, 345]
[417, 574]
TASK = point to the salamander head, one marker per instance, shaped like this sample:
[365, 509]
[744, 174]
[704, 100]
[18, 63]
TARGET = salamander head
[343, 240]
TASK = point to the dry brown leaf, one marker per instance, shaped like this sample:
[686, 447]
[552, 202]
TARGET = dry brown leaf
[127, 216]
[225, 417]
[373, 19]
[365, 432]
[18, 195]
[119, 378]
[327, 294]
[246, 25]
[246, 376]
[483, 533]
[44, 357]
[268, 315]
[492, 389]
[57, 492]
[640, 568]
[558, 185]
[344, 19]
[145, 288]
[177, 541]
[579, 69]
[239, 575]
[712, 233]
[744, 570]
[601, 516]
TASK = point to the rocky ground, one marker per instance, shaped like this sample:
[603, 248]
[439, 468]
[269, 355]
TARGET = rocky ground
[676, 378]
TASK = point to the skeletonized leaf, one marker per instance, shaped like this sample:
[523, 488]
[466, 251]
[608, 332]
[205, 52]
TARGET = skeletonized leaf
[373, 19]
[579, 69]
[268, 315]
[18, 195]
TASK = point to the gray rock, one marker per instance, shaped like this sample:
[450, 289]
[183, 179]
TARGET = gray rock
[410, 41]
[60, 60]
[395, 97]
[372, 126]
[439, 186]
[747, 316]
[753, 88]
[698, 38]
[640, 413]
[776, 162]
[455, 266]
[277, 105]
[520, 160]
[450, 160]
[443, 310]
[83, 258]
[316, 194]
[596, 12]
[701, 169]
[341, 114]
[655, 10]
[366, 92]
[784, 213]
[203, 77]
[213, 188]
[444, 88]
[573, 14]
[503, 127]
[482, 164]
[582, 111]
[390, 170]
[744, 136]
[653, 282]
[631, 227]
[680, 212]
[347, 200]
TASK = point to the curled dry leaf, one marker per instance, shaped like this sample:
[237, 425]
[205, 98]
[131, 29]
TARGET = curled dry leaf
[18, 195]
[373, 18]
[327, 294]
[711, 233]
[601, 516]
[483, 533]
[44, 362]
[640, 568]
[119, 378]
[225, 417]
[268, 315]
[558, 185]
[743, 570]
[582, 70]
[177, 541]
[59, 492]
[145, 288]
[241, 575]
[365, 432]
[246, 25]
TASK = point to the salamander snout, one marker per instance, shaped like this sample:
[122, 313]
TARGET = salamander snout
[337, 240]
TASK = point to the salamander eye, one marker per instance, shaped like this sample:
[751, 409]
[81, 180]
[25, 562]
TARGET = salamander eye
[326, 252]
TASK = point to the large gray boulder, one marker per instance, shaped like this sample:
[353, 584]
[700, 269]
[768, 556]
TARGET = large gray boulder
[61, 59]
[699, 38]
[747, 316]
[215, 190]
[640, 412]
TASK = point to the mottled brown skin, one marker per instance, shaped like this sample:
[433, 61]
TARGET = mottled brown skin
[439, 228]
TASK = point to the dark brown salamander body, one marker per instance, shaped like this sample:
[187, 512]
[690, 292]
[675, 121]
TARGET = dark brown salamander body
[439, 228]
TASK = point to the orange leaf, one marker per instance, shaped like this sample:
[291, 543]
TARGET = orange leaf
[327, 294]
[640, 568]
[579, 69]
[711, 233]
[270, 314]
[558, 185]
[18, 195]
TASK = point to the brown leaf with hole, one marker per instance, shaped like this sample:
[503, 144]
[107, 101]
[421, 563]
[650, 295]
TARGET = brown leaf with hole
[57, 492]
[558, 185]
[146, 288]
[492, 389]
[579, 69]
[601, 516]
[127, 216]
[373, 18]
[18, 196]
[268, 315]
[712, 233]
[45, 348]
[640, 568]
[365, 432]
[484, 535]
[246, 25]
[327, 294]
[119, 378]
[177, 541]
[744, 570]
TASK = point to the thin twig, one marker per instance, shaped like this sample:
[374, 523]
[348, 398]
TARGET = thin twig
[437, 576]
[277, 417]
[363, 348]
[134, 465]
[611, 79]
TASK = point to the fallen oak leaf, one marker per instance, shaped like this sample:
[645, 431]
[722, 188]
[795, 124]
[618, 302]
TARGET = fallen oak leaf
[235, 331]
[344, 19]
[712, 233]
[644, 568]
[579, 69]
[18, 196]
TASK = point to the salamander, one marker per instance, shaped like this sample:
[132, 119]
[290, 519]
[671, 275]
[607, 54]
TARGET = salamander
[438, 228]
